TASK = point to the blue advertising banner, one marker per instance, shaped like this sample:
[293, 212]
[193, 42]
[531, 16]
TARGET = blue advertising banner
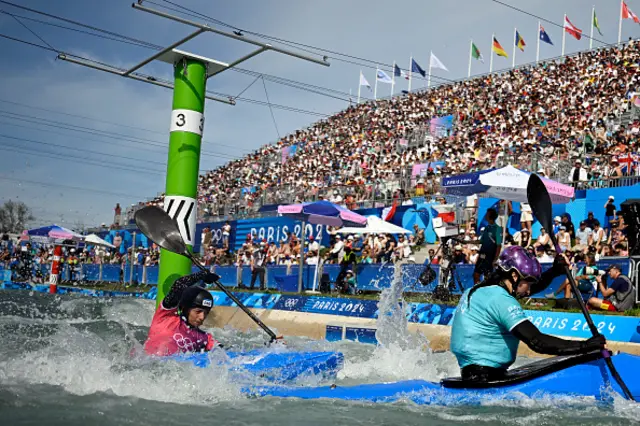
[613, 327]
[123, 239]
[250, 300]
[569, 324]
[216, 234]
[360, 334]
[345, 307]
[277, 229]
[290, 303]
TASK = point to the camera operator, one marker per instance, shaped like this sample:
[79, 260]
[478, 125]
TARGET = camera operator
[491, 244]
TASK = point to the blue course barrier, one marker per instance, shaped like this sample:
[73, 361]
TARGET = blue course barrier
[369, 277]
[111, 273]
[228, 275]
[275, 271]
[91, 272]
[374, 276]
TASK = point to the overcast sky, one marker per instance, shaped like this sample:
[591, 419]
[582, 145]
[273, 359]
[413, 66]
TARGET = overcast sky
[43, 99]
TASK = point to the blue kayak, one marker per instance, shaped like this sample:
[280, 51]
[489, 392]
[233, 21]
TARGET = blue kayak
[569, 376]
[280, 367]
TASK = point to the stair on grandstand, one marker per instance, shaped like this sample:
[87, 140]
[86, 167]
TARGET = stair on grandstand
[422, 253]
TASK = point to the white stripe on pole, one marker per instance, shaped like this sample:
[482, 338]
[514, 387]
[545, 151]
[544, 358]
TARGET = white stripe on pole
[538, 47]
[429, 78]
[359, 85]
[491, 53]
[375, 86]
[513, 60]
[393, 79]
[564, 33]
[410, 72]
[620, 23]
[470, 56]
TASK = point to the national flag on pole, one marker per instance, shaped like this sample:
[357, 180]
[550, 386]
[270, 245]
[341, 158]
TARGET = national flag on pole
[520, 44]
[434, 62]
[445, 211]
[574, 31]
[544, 36]
[416, 68]
[595, 22]
[475, 52]
[628, 14]
[497, 48]
[383, 77]
[363, 81]
[400, 73]
[392, 211]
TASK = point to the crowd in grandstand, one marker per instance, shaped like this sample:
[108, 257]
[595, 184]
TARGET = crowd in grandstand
[556, 111]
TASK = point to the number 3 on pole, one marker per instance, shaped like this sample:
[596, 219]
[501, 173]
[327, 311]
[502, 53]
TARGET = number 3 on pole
[184, 120]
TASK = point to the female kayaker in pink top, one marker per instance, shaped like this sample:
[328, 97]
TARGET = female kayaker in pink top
[175, 325]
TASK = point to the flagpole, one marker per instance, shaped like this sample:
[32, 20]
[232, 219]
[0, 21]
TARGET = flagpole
[393, 80]
[564, 33]
[513, 61]
[620, 23]
[538, 47]
[375, 86]
[410, 72]
[349, 96]
[593, 15]
[429, 78]
[491, 60]
[359, 86]
[470, 54]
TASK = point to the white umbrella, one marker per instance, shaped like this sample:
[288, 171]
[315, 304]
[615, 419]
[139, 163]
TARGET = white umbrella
[94, 240]
[506, 183]
[375, 225]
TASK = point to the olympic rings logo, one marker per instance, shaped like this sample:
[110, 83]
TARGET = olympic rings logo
[184, 343]
[290, 303]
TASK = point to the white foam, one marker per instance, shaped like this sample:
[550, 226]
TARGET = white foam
[82, 363]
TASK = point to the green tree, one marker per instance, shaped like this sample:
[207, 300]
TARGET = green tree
[14, 217]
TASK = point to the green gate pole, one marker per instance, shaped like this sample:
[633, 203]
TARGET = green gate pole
[187, 123]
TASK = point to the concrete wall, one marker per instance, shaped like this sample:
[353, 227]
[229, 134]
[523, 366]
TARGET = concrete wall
[313, 326]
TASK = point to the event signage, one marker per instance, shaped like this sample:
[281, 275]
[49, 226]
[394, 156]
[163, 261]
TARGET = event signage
[277, 229]
[616, 328]
[568, 324]
[216, 234]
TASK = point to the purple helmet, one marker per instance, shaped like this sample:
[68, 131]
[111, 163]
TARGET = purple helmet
[518, 259]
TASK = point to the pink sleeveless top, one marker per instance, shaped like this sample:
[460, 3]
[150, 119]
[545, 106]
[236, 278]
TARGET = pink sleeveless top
[169, 335]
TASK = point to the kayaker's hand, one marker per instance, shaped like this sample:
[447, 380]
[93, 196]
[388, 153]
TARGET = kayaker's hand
[211, 278]
[278, 340]
[595, 343]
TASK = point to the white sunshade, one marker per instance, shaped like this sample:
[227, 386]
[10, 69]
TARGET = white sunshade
[93, 239]
[375, 225]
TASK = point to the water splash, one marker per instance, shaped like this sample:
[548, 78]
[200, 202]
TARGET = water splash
[399, 353]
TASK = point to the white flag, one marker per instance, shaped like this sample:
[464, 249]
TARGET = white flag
[435, 63]
[383, 77]
[363, 81]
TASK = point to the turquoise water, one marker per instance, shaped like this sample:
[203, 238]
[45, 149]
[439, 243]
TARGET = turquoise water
[66, 361]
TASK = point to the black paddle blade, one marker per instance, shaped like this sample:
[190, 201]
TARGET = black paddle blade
[540, 203]
[160, 228]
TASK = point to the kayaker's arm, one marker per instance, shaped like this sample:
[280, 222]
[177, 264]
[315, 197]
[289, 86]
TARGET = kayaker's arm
[172, 299]
[550, 345]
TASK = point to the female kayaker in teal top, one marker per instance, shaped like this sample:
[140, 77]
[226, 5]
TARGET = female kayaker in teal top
[489, 323]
